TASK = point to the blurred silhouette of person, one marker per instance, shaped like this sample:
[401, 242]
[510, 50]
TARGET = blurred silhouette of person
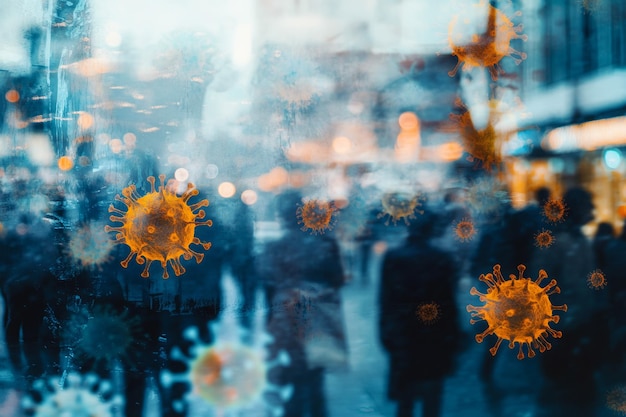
[27, 258]
[605, 233]
[366, 239]
[418, 323]
[305, 274]
[197, 297]
[615, 271]
[238, 240]
[524, 224]
[571, 389]
[495, 246]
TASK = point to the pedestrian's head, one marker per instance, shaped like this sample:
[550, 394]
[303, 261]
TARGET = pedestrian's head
[425, 226]
[579, 205]
[542, 195]
[605, 229]
[287, 204]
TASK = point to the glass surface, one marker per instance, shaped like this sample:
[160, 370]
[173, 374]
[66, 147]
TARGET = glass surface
[312, 208]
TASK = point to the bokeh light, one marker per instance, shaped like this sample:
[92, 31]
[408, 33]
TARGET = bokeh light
[65, 163]
[12, 96]
[249, 197]
[181, 175]
[211, 171]
[226, 189]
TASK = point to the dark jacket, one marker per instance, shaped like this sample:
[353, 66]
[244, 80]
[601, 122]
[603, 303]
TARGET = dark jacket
[413, 275]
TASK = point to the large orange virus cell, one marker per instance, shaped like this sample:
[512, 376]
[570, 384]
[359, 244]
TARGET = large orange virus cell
[316, 215]
[517, 310]
[484, 49]
[159, 226]
[484, 145]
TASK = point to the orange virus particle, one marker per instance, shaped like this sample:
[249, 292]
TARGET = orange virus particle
[484, 49]
[228, 374]
[517, 310]
[596, 279]
[316, 215]
[544, 239]
[616, 399]
[159, 226]
[483, 145]
[398, 205]
[554, 210]
[428, 313]
[465, 230]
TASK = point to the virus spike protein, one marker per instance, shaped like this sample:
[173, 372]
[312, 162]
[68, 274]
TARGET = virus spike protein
[517, 310]
[159, 226]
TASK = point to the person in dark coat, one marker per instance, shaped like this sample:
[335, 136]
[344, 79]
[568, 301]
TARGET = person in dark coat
[26, 286]
[418, 323]
[305, 274]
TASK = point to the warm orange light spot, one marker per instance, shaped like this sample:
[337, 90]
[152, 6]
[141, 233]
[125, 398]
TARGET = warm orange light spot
[12, 96]
[277, 177]
[450, 151]
[85, 121]
[226, 189]
[249, 197]
[408, 121]
[116, 145]
[65, 163]
[342, 145]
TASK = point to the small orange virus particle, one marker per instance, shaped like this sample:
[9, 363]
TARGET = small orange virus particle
[65, 163]
[484, 145]
[517, 310]
[596, 280]
[544, 239]
[488, 48]
[316, 216]
[554, 210]
[12, 96]
[428, 313]
[398, 206]
[616, 399]
[159, 226]
[465, 230]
